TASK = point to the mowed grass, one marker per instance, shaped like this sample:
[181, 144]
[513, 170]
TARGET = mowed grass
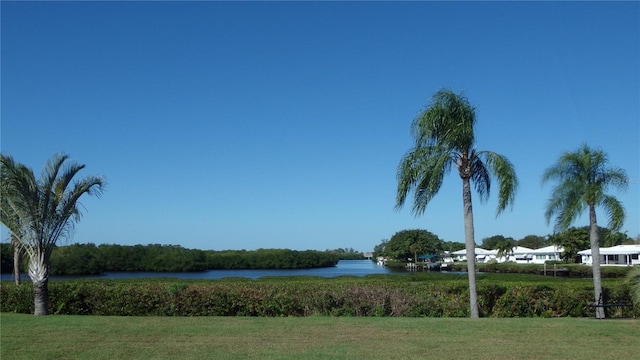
[90, 337]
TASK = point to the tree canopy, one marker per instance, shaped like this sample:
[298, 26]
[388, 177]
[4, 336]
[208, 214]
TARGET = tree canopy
[406, 244]
[533, 242]
[492, 242]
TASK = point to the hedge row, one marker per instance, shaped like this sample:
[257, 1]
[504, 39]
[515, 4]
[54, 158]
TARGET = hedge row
[311, 298]
[563, 269]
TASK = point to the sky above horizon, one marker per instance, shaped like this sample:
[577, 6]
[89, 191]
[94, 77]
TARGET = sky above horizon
[246, 125]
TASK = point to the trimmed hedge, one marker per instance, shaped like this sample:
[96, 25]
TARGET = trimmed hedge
[373, 296]
[565, 270]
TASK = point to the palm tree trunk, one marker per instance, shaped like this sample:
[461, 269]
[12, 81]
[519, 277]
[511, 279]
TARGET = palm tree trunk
[595, 257]
[39, 274]
[41, 297]
[16, 258]
[470, 246]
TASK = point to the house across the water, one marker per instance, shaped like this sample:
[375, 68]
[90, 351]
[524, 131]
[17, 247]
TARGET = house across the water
[616, 255]
[461, 255]
[548, 253]
[628, 255]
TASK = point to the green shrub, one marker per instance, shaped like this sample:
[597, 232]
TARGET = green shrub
[14, 298]
[524, 301]
[566, 270]
[633, 281]
[416, 295]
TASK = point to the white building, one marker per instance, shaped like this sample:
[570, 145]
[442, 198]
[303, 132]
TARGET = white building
[616, 255]
[461, 255]
[519, 254]
[548, 253]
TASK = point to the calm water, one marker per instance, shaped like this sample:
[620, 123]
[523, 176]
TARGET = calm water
[344, 267]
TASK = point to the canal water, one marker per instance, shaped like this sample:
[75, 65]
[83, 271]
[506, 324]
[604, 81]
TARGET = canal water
[343, 268]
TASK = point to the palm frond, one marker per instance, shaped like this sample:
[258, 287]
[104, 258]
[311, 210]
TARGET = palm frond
[504, 172]
[432, 172]
[422, 170]
[615, 212]
[448, 121]
[63, 182]
[616, 178]
[407, 175]
[47, 183]
[566, 204]
[480, 177]
[90, 185]
[18, 190]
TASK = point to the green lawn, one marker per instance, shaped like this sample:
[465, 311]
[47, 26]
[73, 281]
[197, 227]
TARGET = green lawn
[90, 337]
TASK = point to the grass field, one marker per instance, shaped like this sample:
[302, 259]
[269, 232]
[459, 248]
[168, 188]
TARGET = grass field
[89, 337]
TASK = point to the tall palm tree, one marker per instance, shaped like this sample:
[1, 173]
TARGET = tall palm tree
[40, 212]
[582, 178]
[444, 137]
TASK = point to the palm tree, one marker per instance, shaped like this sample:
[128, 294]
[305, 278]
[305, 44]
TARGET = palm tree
[10, 217]
[40, 212]
[414, 248]
[583, 177]
[505, 248]
[444, 137]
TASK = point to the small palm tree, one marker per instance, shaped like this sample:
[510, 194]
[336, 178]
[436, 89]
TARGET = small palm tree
[415, 248]
[583, 178]
[505, 248]
[444, 137]
[40, 212]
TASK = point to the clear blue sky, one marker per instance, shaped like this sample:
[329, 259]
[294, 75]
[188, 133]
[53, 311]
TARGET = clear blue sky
[245, 125]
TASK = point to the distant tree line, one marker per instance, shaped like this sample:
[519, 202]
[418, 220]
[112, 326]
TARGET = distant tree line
[347, 254]
[269, 259]
[89, 259]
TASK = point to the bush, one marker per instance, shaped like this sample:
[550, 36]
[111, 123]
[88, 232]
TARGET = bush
[566, 270]
[633, 281]
[411, 295]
